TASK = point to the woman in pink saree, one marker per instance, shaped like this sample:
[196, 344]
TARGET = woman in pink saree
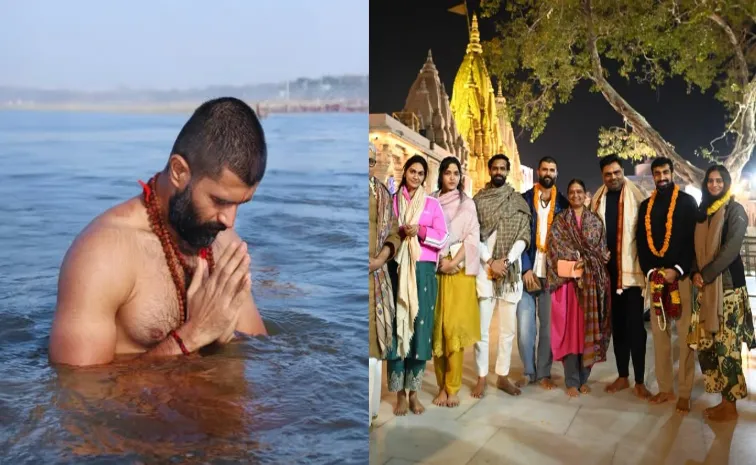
[580, 319]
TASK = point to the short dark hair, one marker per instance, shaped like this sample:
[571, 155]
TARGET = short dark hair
[609, 159]
[223, 133]
[576, 181]
[662, 161]
[499, 156]
[412, 160]
[546, 159]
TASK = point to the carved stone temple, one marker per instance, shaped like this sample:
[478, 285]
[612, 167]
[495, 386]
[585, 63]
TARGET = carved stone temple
[471, 126]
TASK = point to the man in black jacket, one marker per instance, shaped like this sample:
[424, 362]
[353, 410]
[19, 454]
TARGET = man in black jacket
[664, 238]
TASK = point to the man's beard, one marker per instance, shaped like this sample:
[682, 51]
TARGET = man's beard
[546, 181]
[183, 218]
[498, 180]
[615, 186]
[663, 187]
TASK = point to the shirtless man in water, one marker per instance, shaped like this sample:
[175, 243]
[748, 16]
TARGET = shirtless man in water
[122, 288]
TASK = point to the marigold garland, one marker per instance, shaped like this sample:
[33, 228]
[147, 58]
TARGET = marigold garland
[665, 298]
[552, 207]
[714, 207]
[668, 225]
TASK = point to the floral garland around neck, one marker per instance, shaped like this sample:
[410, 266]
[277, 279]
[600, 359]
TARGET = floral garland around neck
[668, 226]
[714, 207]
[552, 206]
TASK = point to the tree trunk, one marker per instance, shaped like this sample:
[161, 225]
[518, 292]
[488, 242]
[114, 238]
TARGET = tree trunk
[685, 171]
[746, 134]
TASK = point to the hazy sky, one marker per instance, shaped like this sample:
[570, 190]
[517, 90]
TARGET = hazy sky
[87, 44]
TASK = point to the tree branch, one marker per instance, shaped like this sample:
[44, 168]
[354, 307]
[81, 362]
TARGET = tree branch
[741, 61]
[683, 168]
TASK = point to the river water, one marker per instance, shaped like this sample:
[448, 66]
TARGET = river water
[298, 396]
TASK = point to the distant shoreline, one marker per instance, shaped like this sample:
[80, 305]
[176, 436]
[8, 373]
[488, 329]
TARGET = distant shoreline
[265, 108]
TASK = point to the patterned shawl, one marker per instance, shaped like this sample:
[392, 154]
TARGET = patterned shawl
[384, 295]
[502, 209]
[567, 239]
[407, 304]
[462, 224]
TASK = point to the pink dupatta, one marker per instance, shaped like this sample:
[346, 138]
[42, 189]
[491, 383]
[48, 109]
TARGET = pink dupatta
[462, 222]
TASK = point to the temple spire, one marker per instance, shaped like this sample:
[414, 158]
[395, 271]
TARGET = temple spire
[474, 45]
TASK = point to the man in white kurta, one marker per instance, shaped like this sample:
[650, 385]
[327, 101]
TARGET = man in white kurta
[504, 232]
[506, 307]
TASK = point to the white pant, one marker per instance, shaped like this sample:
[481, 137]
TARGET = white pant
[374, 389]
[507, 324]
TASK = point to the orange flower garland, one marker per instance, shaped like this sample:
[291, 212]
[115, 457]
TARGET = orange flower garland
[552, 206]
[668, 226]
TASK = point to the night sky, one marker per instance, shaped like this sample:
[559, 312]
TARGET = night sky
[402, 31]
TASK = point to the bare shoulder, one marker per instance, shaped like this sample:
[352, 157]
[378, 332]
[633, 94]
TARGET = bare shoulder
[102, 254]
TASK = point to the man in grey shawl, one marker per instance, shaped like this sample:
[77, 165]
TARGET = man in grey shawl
[504, 219]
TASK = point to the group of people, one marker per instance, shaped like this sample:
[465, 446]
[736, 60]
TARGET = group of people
[564, 276]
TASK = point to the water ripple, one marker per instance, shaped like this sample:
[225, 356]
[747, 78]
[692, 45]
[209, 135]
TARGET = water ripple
[258, 400]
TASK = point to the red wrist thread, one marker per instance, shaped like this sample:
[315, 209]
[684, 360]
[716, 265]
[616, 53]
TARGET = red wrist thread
[180, 342]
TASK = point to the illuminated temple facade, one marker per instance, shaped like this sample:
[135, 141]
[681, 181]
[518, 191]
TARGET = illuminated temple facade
[471, 126]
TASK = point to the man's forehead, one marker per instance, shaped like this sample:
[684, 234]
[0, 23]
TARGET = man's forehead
[548, 166]
[228, 186]
[499, 164]
[612, 168]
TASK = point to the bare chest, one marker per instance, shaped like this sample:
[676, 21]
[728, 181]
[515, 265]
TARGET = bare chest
[153, 311]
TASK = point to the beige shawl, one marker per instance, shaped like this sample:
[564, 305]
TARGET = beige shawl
[406, 257]
[632, 197]
[708, 238]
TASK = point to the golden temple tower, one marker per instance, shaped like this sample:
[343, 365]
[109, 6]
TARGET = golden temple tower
[480, 116]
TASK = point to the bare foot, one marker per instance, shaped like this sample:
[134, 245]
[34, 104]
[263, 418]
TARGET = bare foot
[641, 392]
[525, 381]
[440, 399]
[711, 410]
[662, 397]
[415, 405]
[618, 385]
[401, 405]
[683, 405]
[584, 389]
[453, 401]
[547, 384]
[505, 385]
[573, 392]
[727, 411]
[480, 388]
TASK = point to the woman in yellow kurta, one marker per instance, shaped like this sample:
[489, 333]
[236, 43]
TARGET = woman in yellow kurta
[457, 317]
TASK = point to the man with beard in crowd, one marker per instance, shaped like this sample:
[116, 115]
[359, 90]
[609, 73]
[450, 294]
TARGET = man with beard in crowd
[504, 233]
[544, 201]
[617, 203]
[666, 225]
[164, 273]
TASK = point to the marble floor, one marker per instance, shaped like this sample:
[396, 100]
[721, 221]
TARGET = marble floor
[546, 427]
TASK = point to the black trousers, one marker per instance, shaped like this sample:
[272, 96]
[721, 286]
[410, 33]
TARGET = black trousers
[629, 332]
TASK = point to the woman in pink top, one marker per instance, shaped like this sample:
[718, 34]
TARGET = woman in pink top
[423, 231]
[457, 318]
[580, 311]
